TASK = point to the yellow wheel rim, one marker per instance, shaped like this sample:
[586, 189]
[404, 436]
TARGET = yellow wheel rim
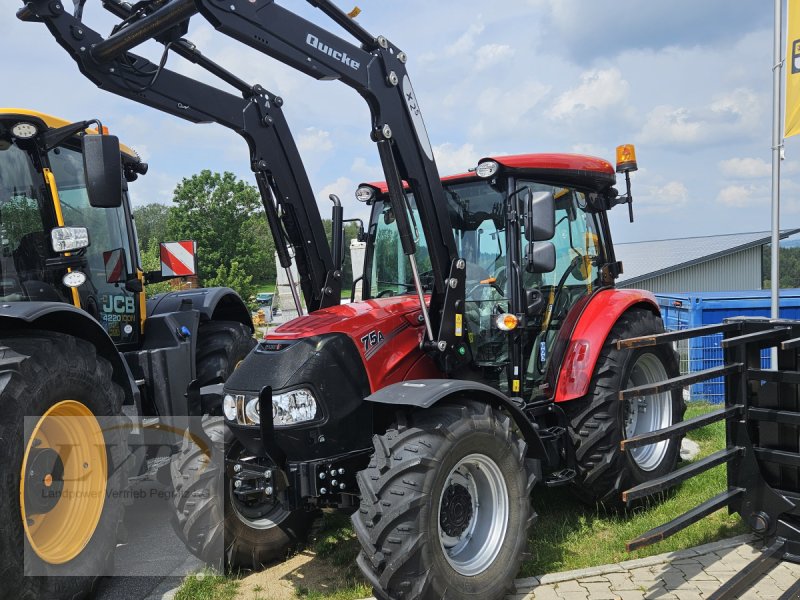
[63, 504]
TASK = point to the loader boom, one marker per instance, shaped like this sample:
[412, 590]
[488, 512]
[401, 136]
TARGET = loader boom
[376, 70]
[256, 115]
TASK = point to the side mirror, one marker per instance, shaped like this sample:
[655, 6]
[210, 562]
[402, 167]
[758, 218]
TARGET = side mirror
[540, 217]
[102, 168]
[541, 258]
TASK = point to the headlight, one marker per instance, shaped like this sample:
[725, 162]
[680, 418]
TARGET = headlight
[290, 408]
[229, 407]
[294, 407]
[251, 411]
[365, 193]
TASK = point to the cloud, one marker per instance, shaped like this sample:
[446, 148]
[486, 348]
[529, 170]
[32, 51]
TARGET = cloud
[314, 140]
[734, 115]
[745, 167]
[743, 196]
[490, 54]
[599, 89]
[667, 124]
[452, 159]
[662, 199]
[503, 108]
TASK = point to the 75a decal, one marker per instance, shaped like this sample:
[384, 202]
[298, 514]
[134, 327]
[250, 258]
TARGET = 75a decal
[372, 339]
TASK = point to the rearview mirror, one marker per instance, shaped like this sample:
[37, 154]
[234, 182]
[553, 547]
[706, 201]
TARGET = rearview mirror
[540, 217]
[541, 258]
[102, 169]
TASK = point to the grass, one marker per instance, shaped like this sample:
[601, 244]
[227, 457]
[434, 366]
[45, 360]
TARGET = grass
[568, 535]
[571, 535]
[206, 586]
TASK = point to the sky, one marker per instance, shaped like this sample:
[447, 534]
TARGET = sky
[689, 83]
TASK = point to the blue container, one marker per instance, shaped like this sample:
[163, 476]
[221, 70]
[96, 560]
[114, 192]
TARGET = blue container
[683, 311]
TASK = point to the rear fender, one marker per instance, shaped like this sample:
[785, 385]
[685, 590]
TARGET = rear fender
[65, 318]
[589, 335]
[213, 304]
[424, 393]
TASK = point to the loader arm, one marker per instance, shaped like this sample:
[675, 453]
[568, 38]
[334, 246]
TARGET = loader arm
[256, 115]
[376, 70]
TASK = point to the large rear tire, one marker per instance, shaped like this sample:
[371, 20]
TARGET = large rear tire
[599, 421]
[67, 465]
[213, 523]
[445, 506]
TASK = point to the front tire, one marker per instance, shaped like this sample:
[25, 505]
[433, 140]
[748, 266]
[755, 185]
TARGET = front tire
[599, 421]
[445, 506]
[65, 530]
[212, 522]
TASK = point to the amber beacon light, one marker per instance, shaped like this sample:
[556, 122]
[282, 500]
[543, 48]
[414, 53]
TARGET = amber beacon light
[626, 158]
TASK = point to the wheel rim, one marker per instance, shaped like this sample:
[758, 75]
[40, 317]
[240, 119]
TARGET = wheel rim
[63, 482]
[473, 514]
[650, 413]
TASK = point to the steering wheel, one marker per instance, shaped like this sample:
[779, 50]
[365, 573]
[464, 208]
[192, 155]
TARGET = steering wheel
[387, 293]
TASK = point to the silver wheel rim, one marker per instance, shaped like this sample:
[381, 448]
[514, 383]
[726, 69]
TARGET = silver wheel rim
[649, 413]
[473, 514]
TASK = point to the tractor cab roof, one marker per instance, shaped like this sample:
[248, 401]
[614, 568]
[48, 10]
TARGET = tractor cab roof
[54, 122]
[577, 170]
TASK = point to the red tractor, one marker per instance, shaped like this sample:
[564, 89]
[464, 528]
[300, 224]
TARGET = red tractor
[481, 362]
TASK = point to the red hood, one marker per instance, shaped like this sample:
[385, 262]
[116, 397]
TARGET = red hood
[353, 319]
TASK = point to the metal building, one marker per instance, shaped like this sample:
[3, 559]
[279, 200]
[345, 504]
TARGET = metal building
[713, 263]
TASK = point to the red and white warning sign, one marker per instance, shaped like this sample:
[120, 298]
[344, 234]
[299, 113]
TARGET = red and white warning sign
[115, 265]
[178, 258]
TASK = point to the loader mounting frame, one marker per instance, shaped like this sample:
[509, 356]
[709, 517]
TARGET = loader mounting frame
[762, 454]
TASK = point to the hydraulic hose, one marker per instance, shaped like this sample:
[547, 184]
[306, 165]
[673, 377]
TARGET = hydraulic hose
[166, 17]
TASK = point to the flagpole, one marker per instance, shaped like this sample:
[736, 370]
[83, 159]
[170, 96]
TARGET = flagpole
[776, 169]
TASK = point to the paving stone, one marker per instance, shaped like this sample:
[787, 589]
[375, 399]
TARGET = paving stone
[621, 582]
[545, 592]
[600, 591]
[785, 575]
[596, 579]
[575, 596]
[570, 586]
[525, 583]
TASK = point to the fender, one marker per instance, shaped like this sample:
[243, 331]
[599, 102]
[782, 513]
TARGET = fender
[65, 318]
[424, 393]
[214, 304]
[599, 316]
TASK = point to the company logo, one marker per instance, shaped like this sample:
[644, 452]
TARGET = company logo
[314, 42]
[795, 57]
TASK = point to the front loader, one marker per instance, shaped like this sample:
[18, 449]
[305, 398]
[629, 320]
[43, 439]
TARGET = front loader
[81, 350]
[481, 362]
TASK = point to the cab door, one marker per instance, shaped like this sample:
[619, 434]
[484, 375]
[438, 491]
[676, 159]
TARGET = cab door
[109, 259]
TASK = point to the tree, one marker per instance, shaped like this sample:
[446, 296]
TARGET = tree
[234, 277]
[224, 216]
[151, 224]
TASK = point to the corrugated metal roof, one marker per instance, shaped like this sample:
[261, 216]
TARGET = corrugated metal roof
[641, 260]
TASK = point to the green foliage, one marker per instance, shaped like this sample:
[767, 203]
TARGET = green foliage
[151, 261]
[207, 586]
[151, 224]
[233, 276]
[221, 214]
[789, 266]
[18, 217]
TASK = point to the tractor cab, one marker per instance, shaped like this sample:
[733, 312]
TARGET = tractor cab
[66, 233]
[515, 286]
